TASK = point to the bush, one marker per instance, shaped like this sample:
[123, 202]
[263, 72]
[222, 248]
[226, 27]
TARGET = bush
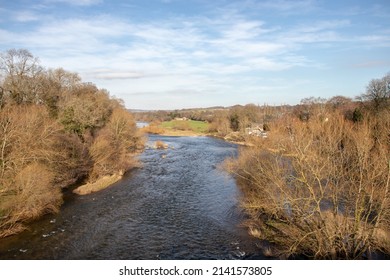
[357, 115]
[36, 193]
[113, 150]
[319, 189]
[153, 128]
[160, 145]
[181, 125]
[54, 131]
[30, 196]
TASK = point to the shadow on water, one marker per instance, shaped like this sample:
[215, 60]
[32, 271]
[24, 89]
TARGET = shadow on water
[178, 205]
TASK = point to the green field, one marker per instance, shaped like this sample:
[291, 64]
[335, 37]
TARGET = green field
[190, 125]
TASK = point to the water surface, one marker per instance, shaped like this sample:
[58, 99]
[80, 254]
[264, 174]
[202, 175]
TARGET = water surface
[178, 205]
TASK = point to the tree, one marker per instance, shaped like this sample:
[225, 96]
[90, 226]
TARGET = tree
[378, 94]
[2, 97]
[311, 107]
[319, 189]
[28, 186]
[113, 149]
[56, 87]
[20, 68]
[220, 123]
[357, 115]
[234, 121]
[54, 131]
[87, 108]
[339, 101]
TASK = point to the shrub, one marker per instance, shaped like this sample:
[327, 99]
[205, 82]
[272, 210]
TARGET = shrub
[266, 127]
[153, 128]
[30, 196]
[114, 148]
[37, 195]
[160, 145]
[319, 189]
[181, 125]
[54, 131]
[357, 115]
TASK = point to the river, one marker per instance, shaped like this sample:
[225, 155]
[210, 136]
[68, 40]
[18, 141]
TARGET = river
[178, 205]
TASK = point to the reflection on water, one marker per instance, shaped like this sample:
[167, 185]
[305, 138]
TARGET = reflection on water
[142, 124]
[179, 205]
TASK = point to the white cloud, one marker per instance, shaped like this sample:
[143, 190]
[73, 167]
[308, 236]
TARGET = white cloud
[372, 64]
[243, 30]
[26, 16]
[318, 26]
[114, 74]
[288, 6]
[76, 2]
[284, 7]
[183, 56]
[374, 38]
[163, 47]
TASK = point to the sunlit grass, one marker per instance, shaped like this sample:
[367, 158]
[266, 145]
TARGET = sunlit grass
[196, 126]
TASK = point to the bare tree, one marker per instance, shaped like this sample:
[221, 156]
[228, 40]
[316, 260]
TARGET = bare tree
[319, 189]
[378, 93]
[114, 147]
[339, 101]
[20, 68]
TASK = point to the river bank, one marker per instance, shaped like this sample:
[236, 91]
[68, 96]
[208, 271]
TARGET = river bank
[230, 138]
[98, 185]
[181, 133]
[180, 206]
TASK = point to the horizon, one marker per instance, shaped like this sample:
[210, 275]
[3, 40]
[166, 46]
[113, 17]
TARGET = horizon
[174, 54]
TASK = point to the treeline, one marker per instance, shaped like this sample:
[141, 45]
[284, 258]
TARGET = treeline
[228, 122]
[55, 131]
[222, 120]
[319, 185]
[196, 114]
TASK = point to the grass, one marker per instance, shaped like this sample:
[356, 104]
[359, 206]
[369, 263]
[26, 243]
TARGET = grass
[195, 126]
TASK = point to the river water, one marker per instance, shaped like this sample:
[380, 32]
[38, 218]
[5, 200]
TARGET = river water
[178, 205]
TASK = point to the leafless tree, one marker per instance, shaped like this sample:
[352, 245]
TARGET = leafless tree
[378, 93]
[20, 68]
[319, 189]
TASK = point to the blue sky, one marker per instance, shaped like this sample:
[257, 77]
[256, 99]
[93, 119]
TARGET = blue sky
[172, 54]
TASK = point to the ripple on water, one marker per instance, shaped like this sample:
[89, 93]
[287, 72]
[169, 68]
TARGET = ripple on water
[180, 206]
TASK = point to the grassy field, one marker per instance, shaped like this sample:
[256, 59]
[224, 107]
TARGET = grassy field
[189, 125]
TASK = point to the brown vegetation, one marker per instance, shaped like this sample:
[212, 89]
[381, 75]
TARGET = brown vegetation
[55, 131]
[160, 145]
[115, 145]
[153, 128]
[181, 125]
[100, 184]
[320, 187]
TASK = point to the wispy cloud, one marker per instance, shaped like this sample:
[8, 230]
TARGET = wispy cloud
[84, 35]
[289, 6]
[372, 64]
[26, 16]
[227, 49]
[76, 2]
[114, 74]
[318, 26]
[283, 7]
